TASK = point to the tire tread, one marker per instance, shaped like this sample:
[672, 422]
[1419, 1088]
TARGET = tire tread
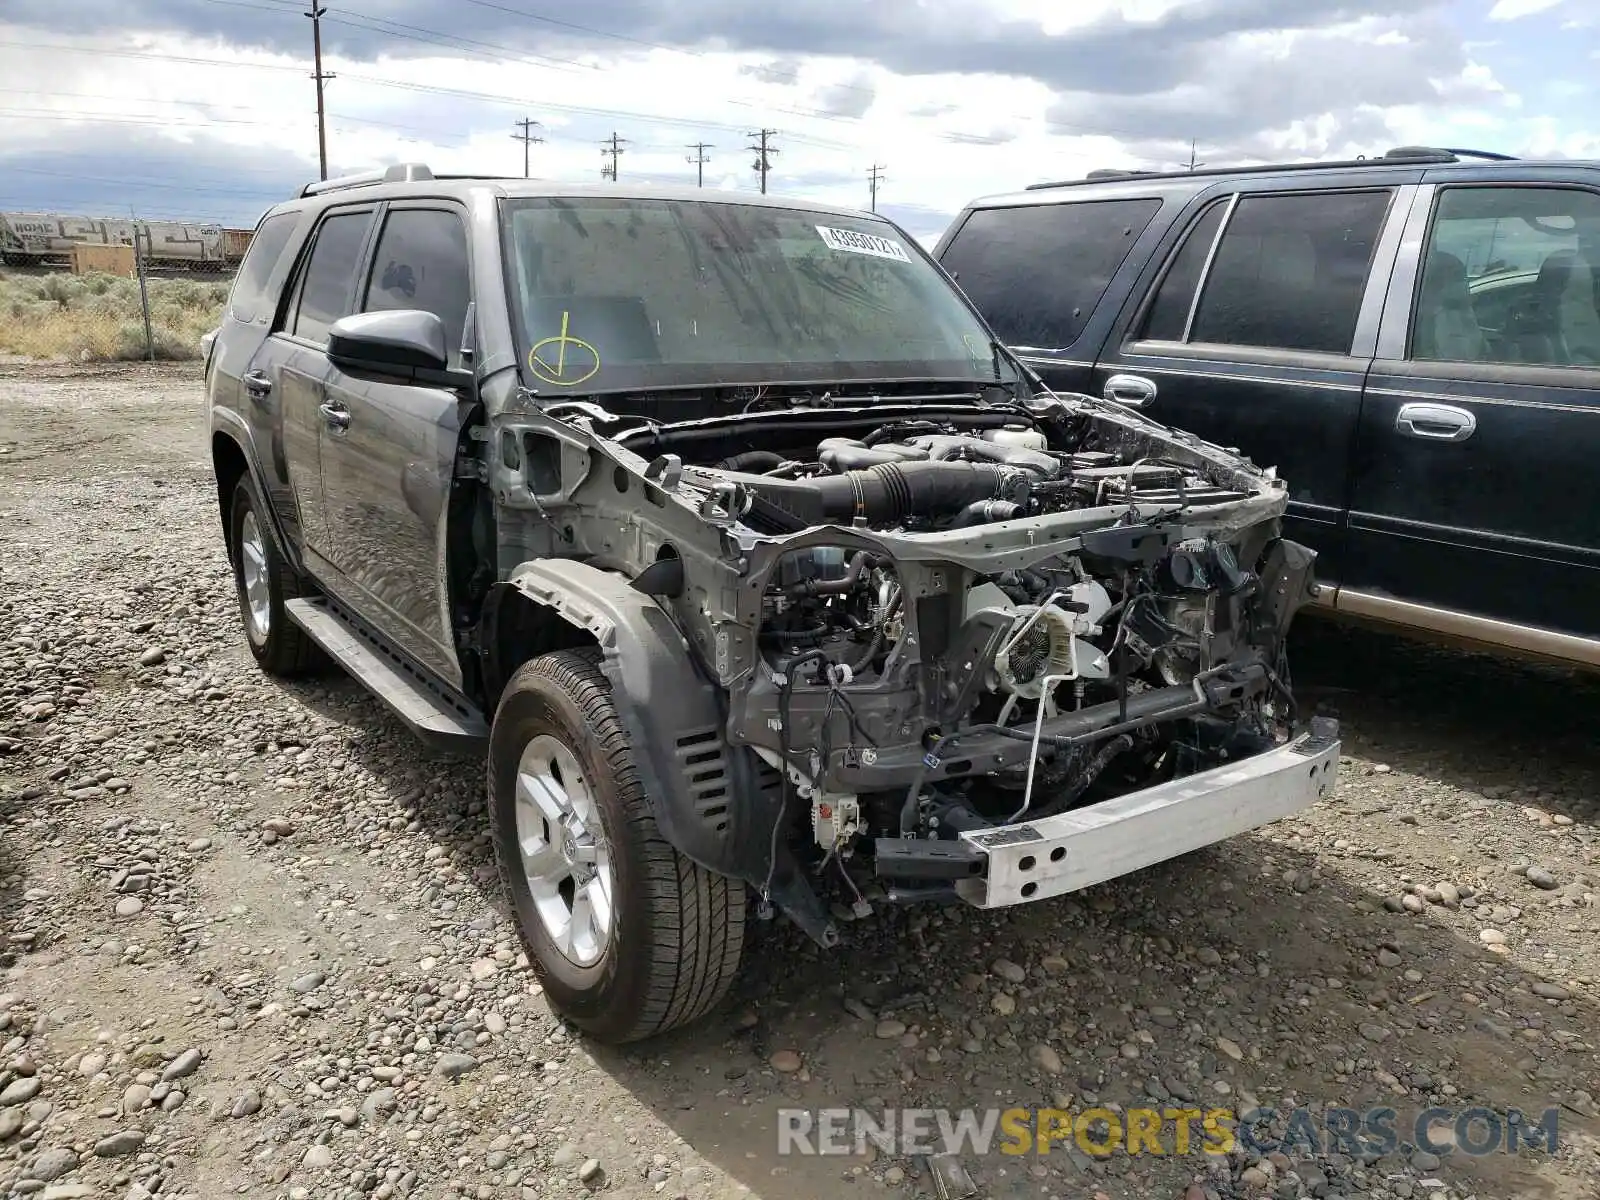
[695, 947]
[289, 650]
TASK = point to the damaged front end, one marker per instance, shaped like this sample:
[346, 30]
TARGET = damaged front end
[959, 648]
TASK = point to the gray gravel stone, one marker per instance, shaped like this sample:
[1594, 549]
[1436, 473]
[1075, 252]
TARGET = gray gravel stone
[118, 1144]
[183, 1066]
[246, 1105]
[1046, 1059]
[380, 1104]
[317, 1158]
[20, 1091]
[51, 1165]
[1008, 970]
[454, 1066]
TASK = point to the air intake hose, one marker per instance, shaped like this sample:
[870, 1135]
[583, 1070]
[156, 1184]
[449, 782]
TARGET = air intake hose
[894, 491]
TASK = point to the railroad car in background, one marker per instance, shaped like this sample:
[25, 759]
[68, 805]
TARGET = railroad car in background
[46, 240]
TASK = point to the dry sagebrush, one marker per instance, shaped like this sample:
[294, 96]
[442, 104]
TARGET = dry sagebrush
[89, 318]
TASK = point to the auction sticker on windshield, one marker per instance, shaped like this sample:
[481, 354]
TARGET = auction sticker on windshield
[862, 243]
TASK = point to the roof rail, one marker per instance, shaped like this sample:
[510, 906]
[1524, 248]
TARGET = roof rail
[1490, 155]
[1416, 154]
[1394, 157]
[395, 173]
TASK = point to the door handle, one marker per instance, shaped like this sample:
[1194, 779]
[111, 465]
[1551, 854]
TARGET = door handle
[1133, 391]
[1435, 422]
[335, 414]
[257, 386]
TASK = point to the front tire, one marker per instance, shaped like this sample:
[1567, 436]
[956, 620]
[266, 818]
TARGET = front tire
[628, 937]
[263, 582]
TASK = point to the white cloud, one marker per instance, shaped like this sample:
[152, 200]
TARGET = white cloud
[233, 127]
[1512, 10]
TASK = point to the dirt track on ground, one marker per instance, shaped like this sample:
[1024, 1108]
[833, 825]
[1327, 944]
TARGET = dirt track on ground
[196, 858]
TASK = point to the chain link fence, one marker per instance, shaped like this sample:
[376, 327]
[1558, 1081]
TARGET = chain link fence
[98, 317]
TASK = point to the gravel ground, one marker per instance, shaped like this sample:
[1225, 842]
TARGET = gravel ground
[253, 942]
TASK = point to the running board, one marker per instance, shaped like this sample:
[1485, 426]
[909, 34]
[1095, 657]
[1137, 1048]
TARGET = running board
[438, 720]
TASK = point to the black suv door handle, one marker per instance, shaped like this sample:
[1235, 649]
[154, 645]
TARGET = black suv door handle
[1436, 422]
[257, 386]
[1133, 391]
[335, 414]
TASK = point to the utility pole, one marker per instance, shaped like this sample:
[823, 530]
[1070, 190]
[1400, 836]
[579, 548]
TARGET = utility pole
[526, 138]
[318, 11]
[611, 147]
[699, 159]
[764, 153]
[875, 177]
[1192, 162]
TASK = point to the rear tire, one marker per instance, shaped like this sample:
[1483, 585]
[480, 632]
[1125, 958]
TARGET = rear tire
[576, 842]
[263, 581]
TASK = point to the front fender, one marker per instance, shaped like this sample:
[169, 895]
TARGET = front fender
[707, 798]
[233, 426]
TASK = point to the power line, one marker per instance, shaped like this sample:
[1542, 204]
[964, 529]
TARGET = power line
[764, 153]
[136, 182]
[699, 159]
[875, 177]
[527, 139]
[612, 147]
[316, 14]
[955, 137]
[421, 34]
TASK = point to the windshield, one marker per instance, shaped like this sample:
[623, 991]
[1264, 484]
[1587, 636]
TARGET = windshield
[615, 293]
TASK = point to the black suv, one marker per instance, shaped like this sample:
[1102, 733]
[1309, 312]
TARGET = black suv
[1412, 342]
[756, 562]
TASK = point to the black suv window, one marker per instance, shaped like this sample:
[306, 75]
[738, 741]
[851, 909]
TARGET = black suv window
[1037, 272]
[326, 285]
[1290, 271]
[1510, 277]
[421, 262]
[266, 248]
[1168, 314]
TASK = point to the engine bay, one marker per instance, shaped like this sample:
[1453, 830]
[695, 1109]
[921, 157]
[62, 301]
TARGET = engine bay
[910, 694]
[917, 474]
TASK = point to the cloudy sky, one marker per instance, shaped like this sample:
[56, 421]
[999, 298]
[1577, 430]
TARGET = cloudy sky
[204, 108]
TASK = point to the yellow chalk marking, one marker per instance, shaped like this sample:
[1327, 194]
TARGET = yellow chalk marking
[556, 373]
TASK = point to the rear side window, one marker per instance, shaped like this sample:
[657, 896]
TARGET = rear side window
[1036, 273]
[1168, 314]
[1290, 271]
[249, 300]
[421, 263]
[1512, 275]
[329, 276]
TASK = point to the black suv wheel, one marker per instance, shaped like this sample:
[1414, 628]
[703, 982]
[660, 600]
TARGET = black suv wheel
[628, 937]
[263, 581]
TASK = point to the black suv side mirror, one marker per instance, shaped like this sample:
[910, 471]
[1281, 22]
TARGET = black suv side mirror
[402, 343]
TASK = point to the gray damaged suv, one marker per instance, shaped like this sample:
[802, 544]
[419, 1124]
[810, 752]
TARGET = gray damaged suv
[766, 578]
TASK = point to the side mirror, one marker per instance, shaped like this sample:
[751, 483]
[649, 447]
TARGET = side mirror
[404, 343]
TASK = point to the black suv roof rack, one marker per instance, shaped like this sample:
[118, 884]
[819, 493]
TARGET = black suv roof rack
[1400, 154]
[394, 173]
